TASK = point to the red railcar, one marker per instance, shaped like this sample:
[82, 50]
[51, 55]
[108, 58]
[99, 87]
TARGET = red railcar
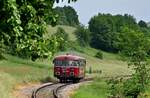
[69, 67]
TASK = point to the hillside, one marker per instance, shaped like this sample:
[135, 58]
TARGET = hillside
[15, 71]
[68, 29]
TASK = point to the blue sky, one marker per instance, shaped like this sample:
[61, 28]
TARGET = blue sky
[140, 9]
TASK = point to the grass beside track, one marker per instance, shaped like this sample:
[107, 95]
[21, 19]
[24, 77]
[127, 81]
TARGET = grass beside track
[97, 89]
[14, 71]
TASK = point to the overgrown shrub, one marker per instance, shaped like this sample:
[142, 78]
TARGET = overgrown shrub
[62, 39]
[131, 88]
[115, 88]
[99, 55]
[83, 36]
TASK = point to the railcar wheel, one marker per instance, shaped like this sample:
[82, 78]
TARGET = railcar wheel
[63, 80]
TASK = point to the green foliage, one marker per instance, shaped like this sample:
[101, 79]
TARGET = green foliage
[23, 25]
[104, 28]
[9, 23]
[99, 55]
[67, 16]
[131, 88]
[83, 36]
[142, 24]
[115, 88]
[62, 39]
[135, 45]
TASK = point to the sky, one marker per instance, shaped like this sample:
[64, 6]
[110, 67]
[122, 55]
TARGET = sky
[86, 9]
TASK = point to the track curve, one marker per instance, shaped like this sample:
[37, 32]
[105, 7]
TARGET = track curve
[34, 93]
[56, 87]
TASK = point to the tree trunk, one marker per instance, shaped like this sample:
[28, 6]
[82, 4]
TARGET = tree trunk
[135, 96]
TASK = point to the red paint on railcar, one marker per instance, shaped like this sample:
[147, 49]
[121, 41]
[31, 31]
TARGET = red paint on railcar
[69, 67]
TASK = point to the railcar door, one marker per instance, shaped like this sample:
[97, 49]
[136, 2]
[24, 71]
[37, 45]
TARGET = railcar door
[82, 64]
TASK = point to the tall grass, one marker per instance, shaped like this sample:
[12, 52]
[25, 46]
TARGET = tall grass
[6, 83]
[15, 71]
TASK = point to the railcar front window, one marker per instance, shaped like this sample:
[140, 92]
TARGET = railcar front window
[67, 63]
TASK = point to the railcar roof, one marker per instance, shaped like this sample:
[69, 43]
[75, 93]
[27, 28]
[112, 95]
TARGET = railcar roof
[70, 57]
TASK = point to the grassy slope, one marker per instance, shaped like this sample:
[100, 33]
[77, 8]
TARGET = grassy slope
[69, 30]
[108, 65]
[14, 71]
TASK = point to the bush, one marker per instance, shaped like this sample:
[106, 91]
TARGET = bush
[115, 88]
[83, 36]
[62, 39]
[132, 88]
[124, 88]
[99, 55]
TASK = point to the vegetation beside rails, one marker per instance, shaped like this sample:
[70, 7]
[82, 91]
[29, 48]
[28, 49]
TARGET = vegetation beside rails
[100, 89]
[15, 71]
[96, 89]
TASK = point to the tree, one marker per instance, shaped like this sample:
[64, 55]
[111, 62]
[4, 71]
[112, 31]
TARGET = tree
[62, 39]
[135, 45]
[142, 24]
[83, 36]
[67, 16]
[104, 28]
[23, 25]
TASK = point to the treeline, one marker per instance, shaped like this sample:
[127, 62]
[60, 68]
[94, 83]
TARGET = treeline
[105, 30]
[67, 16]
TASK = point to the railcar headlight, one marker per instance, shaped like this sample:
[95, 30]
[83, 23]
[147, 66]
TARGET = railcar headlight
[57, 73]
[72, 73]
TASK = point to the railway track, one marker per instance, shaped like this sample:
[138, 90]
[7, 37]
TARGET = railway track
[56, 88]
[56, 91]
[34, 93]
